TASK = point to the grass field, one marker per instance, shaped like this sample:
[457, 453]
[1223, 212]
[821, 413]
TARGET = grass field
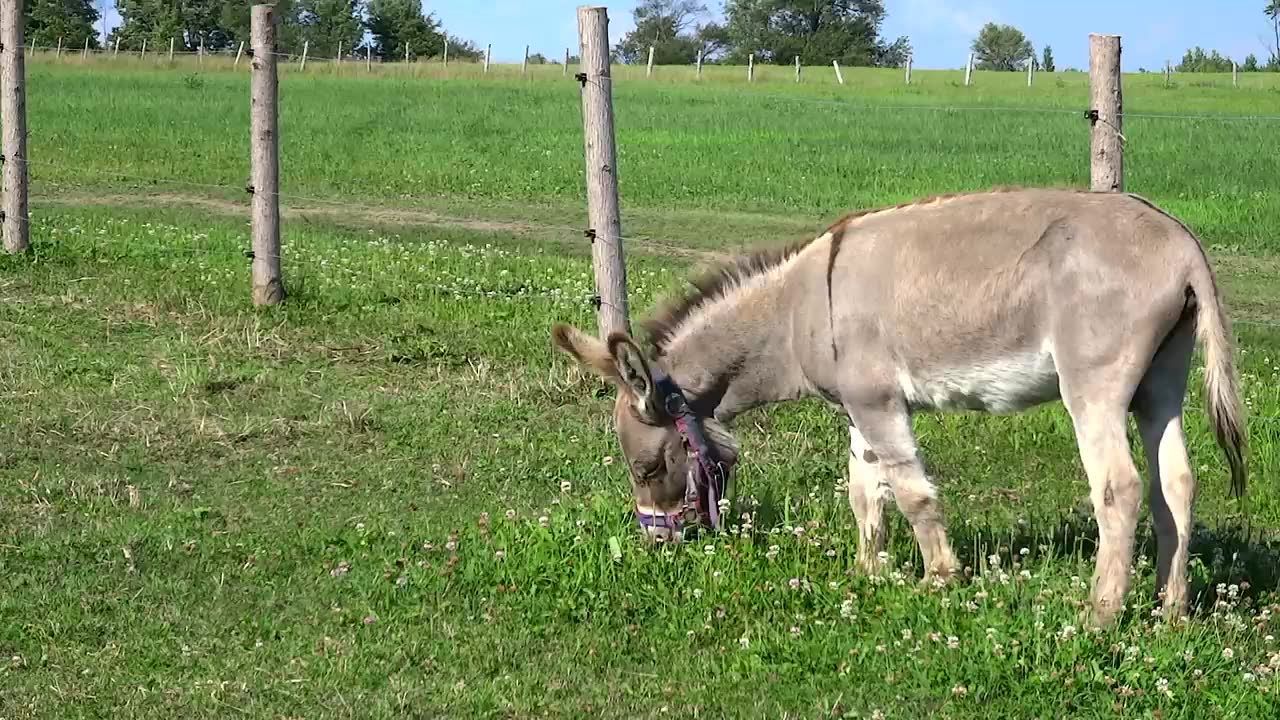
[390, 497]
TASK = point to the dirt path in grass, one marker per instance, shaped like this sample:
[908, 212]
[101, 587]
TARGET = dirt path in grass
[362, 216]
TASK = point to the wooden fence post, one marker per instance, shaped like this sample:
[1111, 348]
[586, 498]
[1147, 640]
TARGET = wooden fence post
[1106, 168]
[699, 64]
[171, 42]
[751, 67]
[797, 68]
[968, 71]
[116, 54]
[368, 58]
[1235, 74]
[306, 46]
[143, 54]
[565, 70]
[268, 287]
[524, 65]
[57, 55]
[605, 227]
[200, 53]
[13, 108]
[239, 52]
[649, 71]
[446, 49]
[85, 54]
[1031, 70]
[836, 64]
[909, 60]
[1168, 72]
[488, 55]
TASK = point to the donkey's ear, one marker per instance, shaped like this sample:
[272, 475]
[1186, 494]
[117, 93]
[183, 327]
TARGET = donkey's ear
[589, 351]
[636, 377]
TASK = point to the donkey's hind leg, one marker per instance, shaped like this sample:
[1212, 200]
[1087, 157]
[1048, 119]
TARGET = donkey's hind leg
[1158, 408]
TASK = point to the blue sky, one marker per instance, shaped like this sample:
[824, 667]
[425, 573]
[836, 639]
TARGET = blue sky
[940, 30]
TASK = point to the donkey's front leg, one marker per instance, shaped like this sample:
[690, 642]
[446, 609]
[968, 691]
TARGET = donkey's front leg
[868, 494]
[887, 431]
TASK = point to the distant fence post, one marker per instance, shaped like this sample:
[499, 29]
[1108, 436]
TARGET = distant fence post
[446, 50]
[13, 107]
[488, 54]
[1168, 72]
[524, 66]
[116, 53]
[1106, 168]
[306, 47]
[368, 58]
[699, 64]
[171, 42]
[1031, 70]
[909, 60]
[84, 55]
[751, 67]
[836, 64]
[268, 287]
[200, 53]
[605, 227]
[1235, 74]
[57, 55]
[239, 52]
[406, 53]
[565, 70]
[797, 68]
[968, 71]
[649, 71]
[143, 54]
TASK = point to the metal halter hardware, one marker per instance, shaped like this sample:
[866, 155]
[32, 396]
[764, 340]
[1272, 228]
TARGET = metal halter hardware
[705, 486]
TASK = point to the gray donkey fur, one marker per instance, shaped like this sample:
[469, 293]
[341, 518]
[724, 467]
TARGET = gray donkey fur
[994, 302]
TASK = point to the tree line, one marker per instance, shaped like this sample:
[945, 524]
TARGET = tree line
[774, 31]
[385, 28]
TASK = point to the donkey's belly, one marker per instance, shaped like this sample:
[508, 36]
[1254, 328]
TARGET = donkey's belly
[1004, 384]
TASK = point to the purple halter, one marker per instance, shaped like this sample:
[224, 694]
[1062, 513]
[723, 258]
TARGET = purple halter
[705, 485]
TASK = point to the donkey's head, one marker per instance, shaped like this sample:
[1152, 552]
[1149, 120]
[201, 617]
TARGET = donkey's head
[679, 461]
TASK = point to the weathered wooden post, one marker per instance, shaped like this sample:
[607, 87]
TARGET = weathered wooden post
[306, 47]
[268, 287]
[649, 71]
[488, 55]
[968, 71]
[1235, 74]
[836, 64]
[13, 108]
[116, 53]
[524, 65]
[239, 52]
[1106, 167]
[1031, 70]
[751, 67]
[171, 44]
[143, 54]
[699, 64]
[605, 226]
[909, 60]
[797, 68]
[84, 55]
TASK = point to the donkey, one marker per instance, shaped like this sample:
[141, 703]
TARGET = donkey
[993, 302]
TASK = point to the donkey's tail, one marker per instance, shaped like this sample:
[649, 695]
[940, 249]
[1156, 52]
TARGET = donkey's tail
[1222, 388]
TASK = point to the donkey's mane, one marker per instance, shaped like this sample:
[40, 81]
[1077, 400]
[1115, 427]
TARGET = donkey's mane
[712, 284]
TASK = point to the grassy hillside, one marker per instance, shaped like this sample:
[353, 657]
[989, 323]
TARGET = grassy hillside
[389, 497]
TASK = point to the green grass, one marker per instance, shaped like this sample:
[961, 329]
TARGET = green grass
[390, 496]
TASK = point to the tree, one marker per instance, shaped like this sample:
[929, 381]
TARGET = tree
[70, 21]
[820, 31]
[1250, 63]
[1047, 64]
[1197, 60]
[1002, 47]
[152, 21]
[326, 25]
[397, 24]
[1272, 11]
[668, 27]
